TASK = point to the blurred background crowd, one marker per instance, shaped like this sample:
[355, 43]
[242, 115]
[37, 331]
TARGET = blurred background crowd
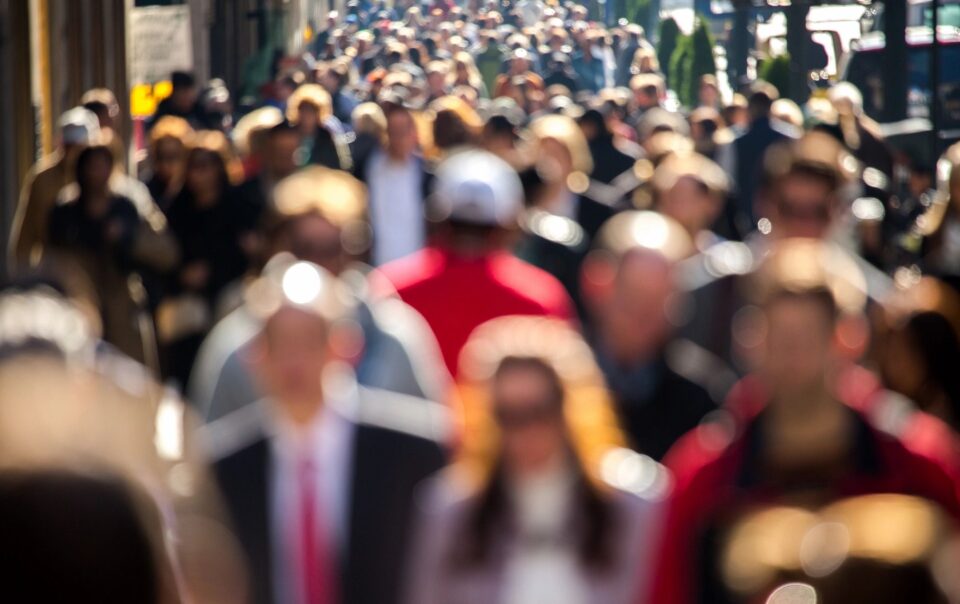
[476, 304]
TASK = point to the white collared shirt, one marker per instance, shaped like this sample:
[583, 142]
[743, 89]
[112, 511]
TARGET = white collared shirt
[328, 441]
[396, 207]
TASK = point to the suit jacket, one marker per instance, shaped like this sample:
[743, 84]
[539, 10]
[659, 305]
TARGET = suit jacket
[396, 444]
[661, 402]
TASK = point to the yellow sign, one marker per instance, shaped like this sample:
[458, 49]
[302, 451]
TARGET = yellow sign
[144, 98]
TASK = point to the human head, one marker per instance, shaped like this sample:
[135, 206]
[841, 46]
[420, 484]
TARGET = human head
[280, 153]
[561, 148]
[335, 77]
[918, 360]
[803, 288]
[319, 216]
[103, 103]
[300, 306]
[402, 136]
[645, 61]
[103, 550]
[170, 140]
[477, 199]
[308, 107]
[760, 101]
[185, 92]
[78, 127]
[691, 189]
[533, 396]
[629, 284]
[647, 90]
[94, 168]
[709, 92]
[455, 123]
[705, 123]
[802, 184]
[787, 112]
[252, 130]
[437, 77]
[211, 167]
[369, 119]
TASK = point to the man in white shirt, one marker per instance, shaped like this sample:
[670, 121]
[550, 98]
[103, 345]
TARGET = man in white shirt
[318, 477]
[397, 183]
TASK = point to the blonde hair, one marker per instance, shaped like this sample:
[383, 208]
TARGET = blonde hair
[473, 74]
[335, 195]
[567, 132]
[172, 128]
[368, 118]
[216, 142]
[645, 55]
[588, 410]
[313, 94]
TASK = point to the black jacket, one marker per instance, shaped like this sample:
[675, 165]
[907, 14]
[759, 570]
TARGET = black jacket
[660, 408]
[388, 462]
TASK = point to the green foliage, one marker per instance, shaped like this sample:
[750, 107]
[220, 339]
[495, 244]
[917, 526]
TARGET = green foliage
[702, 61]
[679, 70]
[692, 58]
[639, 11]
[668, 36]
[776, 70]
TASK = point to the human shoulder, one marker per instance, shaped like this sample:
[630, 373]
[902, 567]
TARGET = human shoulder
[409, 272]
[403, 417]
[235, 432]
[634, 479]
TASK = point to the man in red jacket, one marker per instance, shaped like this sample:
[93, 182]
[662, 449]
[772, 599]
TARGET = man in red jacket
[805, 447]
[468, 276]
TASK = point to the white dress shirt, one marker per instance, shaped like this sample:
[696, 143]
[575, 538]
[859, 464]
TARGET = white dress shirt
[545, 565]
[328, 442]
[396, 207]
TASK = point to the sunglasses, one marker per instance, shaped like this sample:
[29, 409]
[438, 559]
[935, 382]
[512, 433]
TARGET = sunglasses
[794, 210]
[511, 416]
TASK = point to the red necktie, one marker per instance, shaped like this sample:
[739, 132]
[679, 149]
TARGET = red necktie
[316, 558]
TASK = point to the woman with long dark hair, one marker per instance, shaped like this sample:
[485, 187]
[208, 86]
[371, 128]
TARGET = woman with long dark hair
[538, 509]
[208, 224]
[920, 362]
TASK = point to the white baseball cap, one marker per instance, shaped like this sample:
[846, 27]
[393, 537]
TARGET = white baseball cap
[78, 126]
[477, 187]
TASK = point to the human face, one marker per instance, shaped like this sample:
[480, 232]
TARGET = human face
[803, 207]
[293, 354]
[97, 172]
[708, 95]
[401, 135]
[309, 119]
[530, 420]
[633, 315]
[203, 171]
[281, 153]
[168, 162]
[314, 239]
[797, 351]
[558, 157]
[689, 203]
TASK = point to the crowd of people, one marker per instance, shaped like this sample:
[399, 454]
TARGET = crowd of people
[465, 308]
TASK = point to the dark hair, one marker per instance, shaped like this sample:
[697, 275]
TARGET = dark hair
[182, 79]
[820, 295]
[222, 173]
[74, 538]
[595, 521]
[86, 156]
[593, 117]
[284, 127]
[936, 342]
